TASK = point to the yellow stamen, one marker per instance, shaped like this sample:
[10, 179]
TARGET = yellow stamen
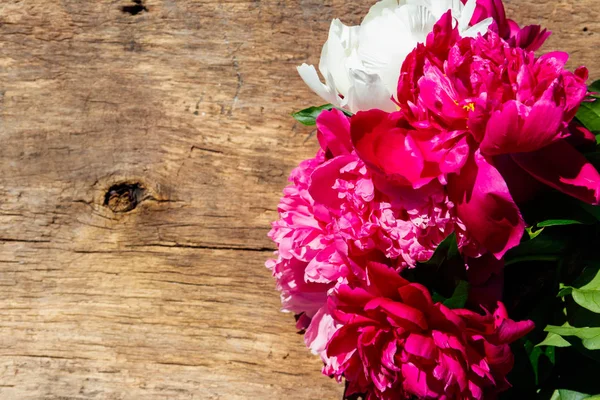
[469, 107]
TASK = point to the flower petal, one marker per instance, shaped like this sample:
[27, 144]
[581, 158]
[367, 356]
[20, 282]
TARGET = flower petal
[400, 313]
[367, 92]
[506, 133]
[485, 206]
[320, 330]
[421, 346]
[388, 148]
[333, 132]
[335, 54]
[309, 75]
[384, 279]
[323, 178]
[562, 167]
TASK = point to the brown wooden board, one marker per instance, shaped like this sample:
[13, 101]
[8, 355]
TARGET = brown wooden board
[143, 151]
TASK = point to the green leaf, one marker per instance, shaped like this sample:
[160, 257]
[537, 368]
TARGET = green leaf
[595, 88]
[446, 250]
[590, 209]
[563, 394]
[564, 291]
[542, 360]
[543, 247]
[589, 115]
[590, 337]
[533, 233]
[309, 115]
[459, 297]
[558, 222]
[553, 340]
[588, 296]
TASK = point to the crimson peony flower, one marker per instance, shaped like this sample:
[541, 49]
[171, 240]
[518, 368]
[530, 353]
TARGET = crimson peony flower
[480, 115]
[395, 343]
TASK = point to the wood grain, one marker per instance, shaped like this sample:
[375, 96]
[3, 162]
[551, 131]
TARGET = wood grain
[157, 290]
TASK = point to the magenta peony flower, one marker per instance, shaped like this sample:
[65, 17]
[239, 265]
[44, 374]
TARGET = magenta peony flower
[395, 343]
[478, 115]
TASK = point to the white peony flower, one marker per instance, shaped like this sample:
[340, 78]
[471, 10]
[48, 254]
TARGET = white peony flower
[362, 63]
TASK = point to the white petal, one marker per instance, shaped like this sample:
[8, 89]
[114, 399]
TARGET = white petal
[336, 51]
[436, 7]
[419, 20]
[466, 14]
[309, 75]
[379, 8]
[385, 41]
[479, 28]
[368, 92]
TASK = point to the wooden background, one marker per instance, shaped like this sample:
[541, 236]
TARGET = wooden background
[157, 290]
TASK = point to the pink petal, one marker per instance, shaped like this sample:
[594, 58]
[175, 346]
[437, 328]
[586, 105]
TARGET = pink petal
[415, 295]
[504, 133]
[384, 142]
[320, 331]
[365, 128]
[357, 297]
[333, 132]
[485, 206]
[384, 279]
[399, 312]
[522, 186]
[562, 167]
[399, 154]
[323, 178]
[421, 346]
[415, 381]
[343, 341]
[532, 37]
[509, 330]
[438, 94]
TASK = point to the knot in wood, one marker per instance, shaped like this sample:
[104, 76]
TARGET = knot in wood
[124, 197]
[135, 8]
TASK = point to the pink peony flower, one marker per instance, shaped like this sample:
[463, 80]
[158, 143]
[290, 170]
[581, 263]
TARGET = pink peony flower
[304, 240]
[478, 115]
[395, 343]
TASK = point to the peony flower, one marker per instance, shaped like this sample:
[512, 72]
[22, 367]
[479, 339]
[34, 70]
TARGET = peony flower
[478, 115]
[395, 343]
[361, 64]
[304, 243]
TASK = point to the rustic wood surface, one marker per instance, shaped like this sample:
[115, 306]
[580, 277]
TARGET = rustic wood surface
[144, 146]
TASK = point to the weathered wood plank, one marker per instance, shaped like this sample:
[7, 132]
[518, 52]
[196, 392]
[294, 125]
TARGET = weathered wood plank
[188, 102]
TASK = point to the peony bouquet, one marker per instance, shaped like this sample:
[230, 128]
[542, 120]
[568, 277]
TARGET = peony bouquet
[443, 242]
